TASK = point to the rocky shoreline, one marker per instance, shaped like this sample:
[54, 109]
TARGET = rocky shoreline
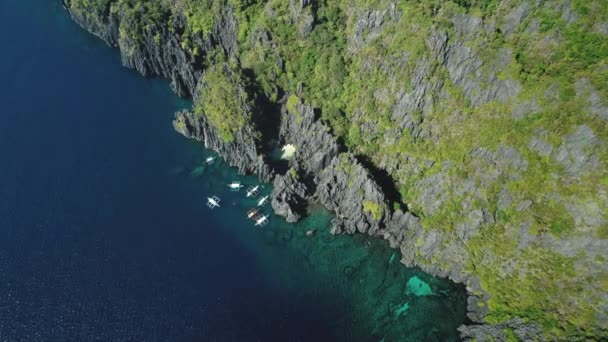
[321, 171]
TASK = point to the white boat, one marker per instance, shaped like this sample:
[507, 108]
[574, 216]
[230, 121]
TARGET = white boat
[261, 221]
[213, 202]
[253, 191]
[235, 186]
[209, 160]
[262, 201]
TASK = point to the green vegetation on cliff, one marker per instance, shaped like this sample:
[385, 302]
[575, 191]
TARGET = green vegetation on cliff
[222, 101]
[374, 209]
[490, 116]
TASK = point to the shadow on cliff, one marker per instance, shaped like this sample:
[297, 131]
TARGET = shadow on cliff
[267, 120]
[384, 181]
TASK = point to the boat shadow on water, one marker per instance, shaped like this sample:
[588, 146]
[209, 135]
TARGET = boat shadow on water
[353, 287]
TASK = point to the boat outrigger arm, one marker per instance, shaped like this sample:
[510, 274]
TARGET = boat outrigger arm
[262, 201]
[213, 202]
[253, 191]
[261, 221]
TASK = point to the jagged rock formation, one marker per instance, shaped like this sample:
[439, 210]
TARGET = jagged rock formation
[497, 332]
[486, 119]
[242, 149]
[341, 183]
[289, 197]
[241, 153]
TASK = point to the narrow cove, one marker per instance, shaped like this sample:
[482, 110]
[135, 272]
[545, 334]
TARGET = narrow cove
[105, 234]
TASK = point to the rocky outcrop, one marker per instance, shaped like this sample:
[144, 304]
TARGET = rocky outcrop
[242, 150]
[153, 48]
[523, 331]
[347, 188]
[302, 16]
[290, 196]
[240, 153]
[157, 50]
[340, 183]
[576, 151]
[478, 80]
[369, 25]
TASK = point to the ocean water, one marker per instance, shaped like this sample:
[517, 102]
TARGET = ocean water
[104, 235]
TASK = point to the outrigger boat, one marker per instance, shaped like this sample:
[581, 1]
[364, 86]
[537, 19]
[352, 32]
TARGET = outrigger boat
[213, 202]
[253, 191]
[261, 221]
[262, 201]
[253, 214]
[235, 186]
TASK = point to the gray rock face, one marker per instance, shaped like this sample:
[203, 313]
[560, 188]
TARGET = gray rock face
[340, 183]
[576, 153]
[504, 199]
[477, 79]
[521, 109]
[224, 33]
[462, 63]
[466, 25]
[411, 106]
[505, 161]
[159, 52]
[105, 29]
[585, 88]
[586, 213]
[601, 27]
[567, 13]
[514, 18]
[289, 197]
[346, 188]
[539, 145]
[397, 228]
[434, 192]
[315, 146]
[368, 26]
[301, 17]
[523, 331]
[240, 153]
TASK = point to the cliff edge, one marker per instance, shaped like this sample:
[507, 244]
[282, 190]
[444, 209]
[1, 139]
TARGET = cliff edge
[469, 134]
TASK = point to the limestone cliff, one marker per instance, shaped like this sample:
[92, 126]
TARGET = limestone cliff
[469, 134]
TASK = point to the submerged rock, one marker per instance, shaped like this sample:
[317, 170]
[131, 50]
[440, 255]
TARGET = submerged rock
[418, 288]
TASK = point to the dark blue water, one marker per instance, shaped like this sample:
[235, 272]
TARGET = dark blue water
[99, 239]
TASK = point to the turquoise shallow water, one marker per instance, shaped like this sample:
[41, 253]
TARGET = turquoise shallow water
[104, 235]
[356, 282]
